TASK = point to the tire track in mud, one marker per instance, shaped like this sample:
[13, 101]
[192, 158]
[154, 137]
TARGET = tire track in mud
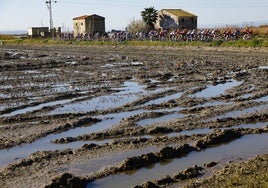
[63, 70]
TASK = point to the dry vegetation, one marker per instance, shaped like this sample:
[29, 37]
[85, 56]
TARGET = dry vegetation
[262, 30]
[251, 173]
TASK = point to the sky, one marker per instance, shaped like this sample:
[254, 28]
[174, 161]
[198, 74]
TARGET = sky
[22, 14]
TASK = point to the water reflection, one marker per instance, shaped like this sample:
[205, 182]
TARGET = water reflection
[161, 119]
[213, 91]
[237, 113]
[163, 99]
[130, 92]
[244, 147]
[38, 107]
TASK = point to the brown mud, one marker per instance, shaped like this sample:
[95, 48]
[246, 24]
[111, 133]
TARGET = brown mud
[129, 107]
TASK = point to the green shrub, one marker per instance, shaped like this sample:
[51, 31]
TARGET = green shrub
[217, 43]
[265, 43]
[45, 41]
[19, 41]
[256, 42]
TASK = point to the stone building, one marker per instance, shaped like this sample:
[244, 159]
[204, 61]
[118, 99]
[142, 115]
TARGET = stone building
[175, 19]
[43, 32]
[38, 32]
[89, 24]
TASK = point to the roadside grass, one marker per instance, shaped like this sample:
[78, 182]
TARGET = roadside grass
[260, 40]
[255, 42]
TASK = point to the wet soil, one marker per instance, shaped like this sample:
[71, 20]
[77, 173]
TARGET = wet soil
[88, 112]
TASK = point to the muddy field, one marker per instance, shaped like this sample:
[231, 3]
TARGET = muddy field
[122, 116]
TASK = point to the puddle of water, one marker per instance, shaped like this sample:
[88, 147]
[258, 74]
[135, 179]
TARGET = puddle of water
[161, 119]
[262, 99]
[163, 99]
[108, 65]
[4, 96]
[208, 131]
[12, 104]
[44, 144]
[33, 108]
[98, 103]
[96, 164]
[244, 147]
[19, 152]
[61, 88]
[131, 91]
[215, 103]
[45, 75]
[213, 91]
[185, 132]
[251, 125]
[107, 122]
[131, 87]
[136, 63]
[71, 62]
[153, 80]
[245, 96]
[6, 86]
[263, 67]
[32, 72]
[243, 112]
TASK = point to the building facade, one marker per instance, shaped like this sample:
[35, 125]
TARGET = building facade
[89, 24]
[175, 19]
[43, 32]
[38, 32]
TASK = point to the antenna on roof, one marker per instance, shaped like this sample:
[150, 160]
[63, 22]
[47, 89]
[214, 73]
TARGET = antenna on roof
[50, 12]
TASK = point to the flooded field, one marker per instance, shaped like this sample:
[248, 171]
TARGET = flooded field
[83, 116]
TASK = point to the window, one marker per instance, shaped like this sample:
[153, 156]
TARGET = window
[81, 23]
[192, 19]
[182, 20]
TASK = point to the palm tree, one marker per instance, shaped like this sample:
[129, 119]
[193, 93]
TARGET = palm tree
[149, 16]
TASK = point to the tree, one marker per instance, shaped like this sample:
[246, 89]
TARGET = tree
[149, 16]
[136, 26]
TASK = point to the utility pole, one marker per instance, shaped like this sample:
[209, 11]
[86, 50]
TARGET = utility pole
[49, 6]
